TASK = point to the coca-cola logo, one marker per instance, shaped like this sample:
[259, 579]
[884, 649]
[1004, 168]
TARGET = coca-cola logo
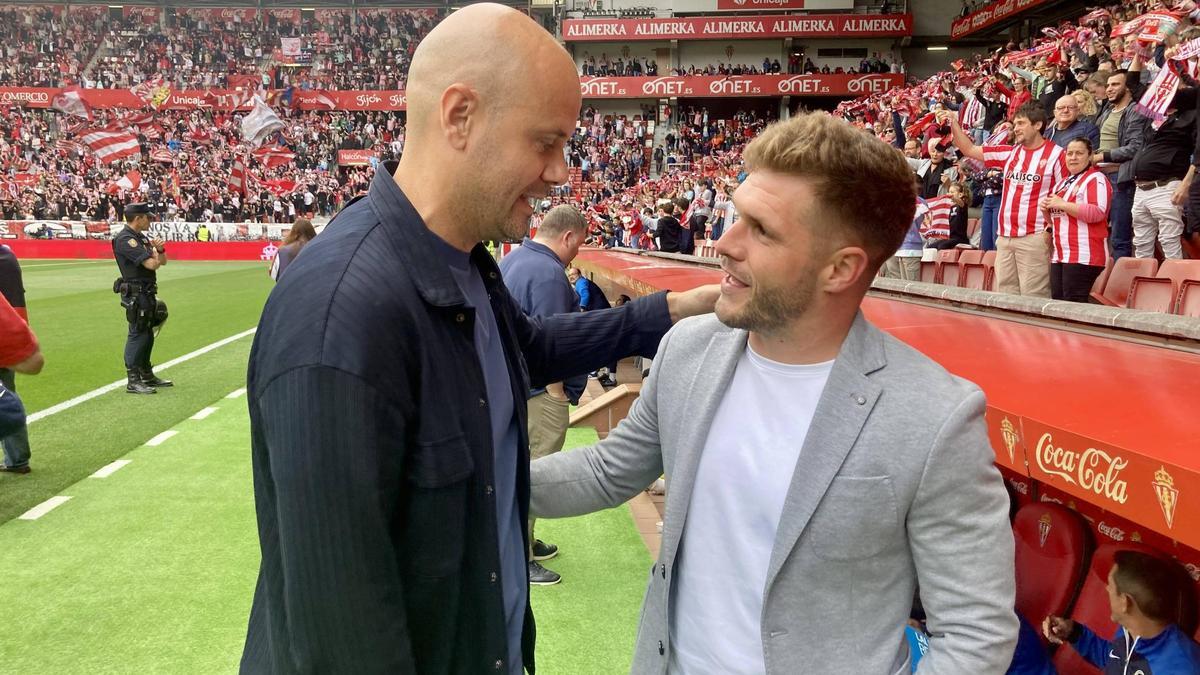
[1019, 486]
[367, 99]
[1093, 470]
[800, 84]
[730, 86]
[600, 86]
[867, 84]
[1052, 500]
[24, 97]
[1111, 531]
[1193, 571]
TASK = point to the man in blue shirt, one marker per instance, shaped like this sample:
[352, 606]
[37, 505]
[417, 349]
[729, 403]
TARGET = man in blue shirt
[536, 279]
[1067, 126]
[1143, 593]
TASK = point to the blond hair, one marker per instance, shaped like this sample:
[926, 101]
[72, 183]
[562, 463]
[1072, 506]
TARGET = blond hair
[1087, 102]
[863, 185]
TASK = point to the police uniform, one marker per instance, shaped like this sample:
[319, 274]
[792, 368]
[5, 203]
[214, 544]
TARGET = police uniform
[144, 312]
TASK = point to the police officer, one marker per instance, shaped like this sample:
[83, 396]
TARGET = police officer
[138, 256]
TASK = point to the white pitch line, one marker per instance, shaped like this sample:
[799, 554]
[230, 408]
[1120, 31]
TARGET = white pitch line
[109, 470]
[66, 405]
[204, 413]
[63, 264]
[159, 439]
[236, 393]
[43, 508]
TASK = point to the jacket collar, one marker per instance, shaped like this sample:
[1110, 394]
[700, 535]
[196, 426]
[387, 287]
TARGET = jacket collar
[415, 246]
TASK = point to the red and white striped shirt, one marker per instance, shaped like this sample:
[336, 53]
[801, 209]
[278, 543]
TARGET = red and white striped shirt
[1075, 240]
[1029, 175]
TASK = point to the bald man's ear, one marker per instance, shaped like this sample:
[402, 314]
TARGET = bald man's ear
[459, 110]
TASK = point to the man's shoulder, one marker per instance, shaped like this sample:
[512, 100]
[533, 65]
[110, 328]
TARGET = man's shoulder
[917, 382]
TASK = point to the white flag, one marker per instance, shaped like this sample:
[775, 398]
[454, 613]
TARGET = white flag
[259, 123]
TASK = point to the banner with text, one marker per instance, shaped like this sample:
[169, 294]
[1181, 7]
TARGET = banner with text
[355, 157]
[810, 25]
[33, 97]
[779, 5]
[738, 85]
[989, 15]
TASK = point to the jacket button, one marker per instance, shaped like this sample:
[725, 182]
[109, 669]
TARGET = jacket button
[664, 570]
[491, 275]
[482, 402]
[460, 317]
[499, 664]
[861, 400]
[661, 650]
[487, 490]
[492, 576]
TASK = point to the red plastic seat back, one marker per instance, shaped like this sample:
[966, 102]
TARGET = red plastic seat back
[1092, 607]
[1188, 303]
[929, 271]
[1152, 294]
[1102, 280]
[1052, 547]
[1116, 291]
[1178, 270]
[947, 255]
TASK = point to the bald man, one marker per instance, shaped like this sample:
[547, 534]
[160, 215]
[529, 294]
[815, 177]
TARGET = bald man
[389, 373]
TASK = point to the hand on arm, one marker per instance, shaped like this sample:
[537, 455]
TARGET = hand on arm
[1180, 196]
[699, 300]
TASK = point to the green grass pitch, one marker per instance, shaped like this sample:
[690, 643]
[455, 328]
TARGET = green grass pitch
[151, 570]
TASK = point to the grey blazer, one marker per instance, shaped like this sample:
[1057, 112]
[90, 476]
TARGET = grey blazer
[894, 487]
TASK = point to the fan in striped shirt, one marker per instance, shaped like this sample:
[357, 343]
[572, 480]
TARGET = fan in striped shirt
[1078, 214]
[1033, 168]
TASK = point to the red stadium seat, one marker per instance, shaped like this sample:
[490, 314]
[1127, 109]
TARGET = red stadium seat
[972, 227]
[949, 255]
[1052, 547]
[951, 273]
[978, 275]
[1098, 285]
[1179, 270]
[1152, 294]
[1188, 302]
[1116, 289]
[1092, 607]
[929, 271]
[966, 256]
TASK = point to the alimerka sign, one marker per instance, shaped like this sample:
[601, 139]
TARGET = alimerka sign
[722, 28]
[989, 15]
[738, 85]
[1158, 496]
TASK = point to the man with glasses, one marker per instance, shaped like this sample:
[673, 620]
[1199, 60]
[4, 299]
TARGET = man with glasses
[1067, 126]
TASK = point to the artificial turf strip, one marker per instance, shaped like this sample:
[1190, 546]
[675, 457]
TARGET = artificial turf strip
[81, 328]
[587, 623]
[71, 445]
[81, 325]
[152, 569]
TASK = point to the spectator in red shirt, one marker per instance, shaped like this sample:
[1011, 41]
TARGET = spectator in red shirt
[19, 352]
[1033, 168]
[12, 289]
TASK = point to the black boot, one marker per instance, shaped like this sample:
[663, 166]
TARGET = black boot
[136, 385]
[153, 380]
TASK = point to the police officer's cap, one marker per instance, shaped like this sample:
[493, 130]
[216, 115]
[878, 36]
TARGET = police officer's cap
[136, 209]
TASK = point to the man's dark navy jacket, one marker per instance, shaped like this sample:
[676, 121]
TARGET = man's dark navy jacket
[373, 454]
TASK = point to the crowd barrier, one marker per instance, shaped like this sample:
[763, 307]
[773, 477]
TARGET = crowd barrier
[99, 249]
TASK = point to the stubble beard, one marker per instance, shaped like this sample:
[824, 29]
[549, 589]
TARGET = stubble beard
[769, 308]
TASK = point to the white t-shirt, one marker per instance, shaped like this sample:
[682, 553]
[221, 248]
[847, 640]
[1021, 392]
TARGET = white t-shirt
[743, 478]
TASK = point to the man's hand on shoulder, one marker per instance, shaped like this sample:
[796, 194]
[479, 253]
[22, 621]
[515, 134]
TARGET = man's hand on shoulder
[699, 300]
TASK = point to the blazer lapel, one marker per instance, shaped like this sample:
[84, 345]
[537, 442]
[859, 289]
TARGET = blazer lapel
[841, 412]
[703, 395]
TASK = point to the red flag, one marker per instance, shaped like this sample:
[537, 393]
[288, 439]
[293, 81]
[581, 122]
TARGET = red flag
[237, 176]
[280, 187]
[70, 102]
[110, 146]
[937, 224]
[130, 181]
[274, 155]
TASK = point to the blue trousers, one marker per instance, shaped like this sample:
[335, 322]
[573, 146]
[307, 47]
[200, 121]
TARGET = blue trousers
[1120, 221]
[16, 446]
[988, 223]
